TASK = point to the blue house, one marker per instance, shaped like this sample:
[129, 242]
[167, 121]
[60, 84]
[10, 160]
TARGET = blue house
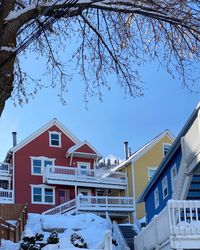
[172, 197]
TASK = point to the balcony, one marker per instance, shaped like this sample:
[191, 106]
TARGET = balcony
[5, 170]
[99, 204]
[181, 220]
[89, 178]
[6, 196]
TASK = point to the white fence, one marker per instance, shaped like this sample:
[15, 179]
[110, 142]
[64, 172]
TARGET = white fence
[178, 219]
[63, 208]
[105, 203]
[6, 196]
[90, 175]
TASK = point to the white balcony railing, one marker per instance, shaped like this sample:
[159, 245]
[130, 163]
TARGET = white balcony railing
[6, 196]
[181, 221]
[5, 169]
[60, 173]
[105, 203]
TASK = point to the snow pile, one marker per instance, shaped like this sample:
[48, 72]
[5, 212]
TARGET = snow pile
[89, 227]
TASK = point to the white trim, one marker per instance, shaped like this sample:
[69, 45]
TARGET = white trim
[163, 147]
[173, 178]
[42, 158]
[151, 168]
[156, 198]
[165, 186]
[59, 139]
[42, 130]
[13, 180]
[43, 187]
[133, 187]
[139, 153]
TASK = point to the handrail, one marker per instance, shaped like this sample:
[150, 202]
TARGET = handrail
[67, 206]
[119, 237]
[77, 174]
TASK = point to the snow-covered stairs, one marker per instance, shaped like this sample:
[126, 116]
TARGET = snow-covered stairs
[129, 234]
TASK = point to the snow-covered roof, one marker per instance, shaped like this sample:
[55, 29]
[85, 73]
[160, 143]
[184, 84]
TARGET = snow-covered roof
[140, 152]
[74, 149]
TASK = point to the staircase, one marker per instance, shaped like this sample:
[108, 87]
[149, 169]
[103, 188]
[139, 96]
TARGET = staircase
[68, 207]
[129, 234]
[194, 190]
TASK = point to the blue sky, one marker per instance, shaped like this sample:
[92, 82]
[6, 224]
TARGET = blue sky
[106, 125]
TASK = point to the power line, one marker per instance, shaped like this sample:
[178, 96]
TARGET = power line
[46, 24]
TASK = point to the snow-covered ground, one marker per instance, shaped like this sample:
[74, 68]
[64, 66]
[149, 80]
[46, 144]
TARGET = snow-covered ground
[90, 226]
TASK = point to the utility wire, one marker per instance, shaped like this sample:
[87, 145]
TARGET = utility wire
[46, 24]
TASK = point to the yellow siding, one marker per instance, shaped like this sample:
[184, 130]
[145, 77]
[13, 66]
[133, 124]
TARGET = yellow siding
[151, 158]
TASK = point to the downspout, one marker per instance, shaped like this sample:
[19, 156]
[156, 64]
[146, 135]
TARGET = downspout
[133, 188]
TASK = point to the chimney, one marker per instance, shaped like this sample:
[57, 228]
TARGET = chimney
[126, 149]
[129, 151]
[14, 134]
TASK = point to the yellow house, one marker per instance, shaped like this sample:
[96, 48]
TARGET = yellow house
[141, 166]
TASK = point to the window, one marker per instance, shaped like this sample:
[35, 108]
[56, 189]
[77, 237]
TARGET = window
[43, 195]
[156, 198]
[166, 147]
[151, 172]
[54, 139]
[165, 187]
[173, 175]
[39, 163]
[83, 168]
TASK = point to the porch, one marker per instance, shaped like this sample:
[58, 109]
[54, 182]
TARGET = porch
[88, 177]
[5, 170]
[95, 204]
[177, 226]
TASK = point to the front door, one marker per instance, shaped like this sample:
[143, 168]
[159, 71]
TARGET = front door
[85, 192]
[63, 196]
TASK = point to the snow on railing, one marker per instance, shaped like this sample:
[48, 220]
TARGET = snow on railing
[63, 208]
[5, 169]
[122, 244]
[105, 203]
[6, 196]
[178, 218]
[184, 217]
[76, 174]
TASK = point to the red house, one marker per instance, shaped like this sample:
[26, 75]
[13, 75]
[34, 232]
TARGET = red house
[52, 170]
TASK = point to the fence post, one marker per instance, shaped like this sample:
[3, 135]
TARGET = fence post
[108, 240]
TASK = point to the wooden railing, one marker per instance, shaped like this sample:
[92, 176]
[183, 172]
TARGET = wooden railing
[9, 231]
[6, 196]
[60, 173]
[5, 169]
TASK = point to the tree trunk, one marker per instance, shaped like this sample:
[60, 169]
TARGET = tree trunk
[7, 42]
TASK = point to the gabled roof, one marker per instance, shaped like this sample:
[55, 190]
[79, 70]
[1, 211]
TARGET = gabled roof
[176, 144]
[75, 148]
[139, 153]
[42, 130]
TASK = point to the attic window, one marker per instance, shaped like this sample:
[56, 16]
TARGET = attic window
[54, 139]
[166, 148]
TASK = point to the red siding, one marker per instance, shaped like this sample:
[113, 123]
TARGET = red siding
[85, 149]
[22, 172]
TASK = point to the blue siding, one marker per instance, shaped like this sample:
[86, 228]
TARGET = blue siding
[149, 200]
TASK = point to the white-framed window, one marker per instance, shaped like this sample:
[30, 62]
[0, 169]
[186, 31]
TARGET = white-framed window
[83, 168]
[173, 173]
[38, 164]
[42, 194]
[166, 147]
[156, 198]
[151, 172]
[165, 187]
[54, 139]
